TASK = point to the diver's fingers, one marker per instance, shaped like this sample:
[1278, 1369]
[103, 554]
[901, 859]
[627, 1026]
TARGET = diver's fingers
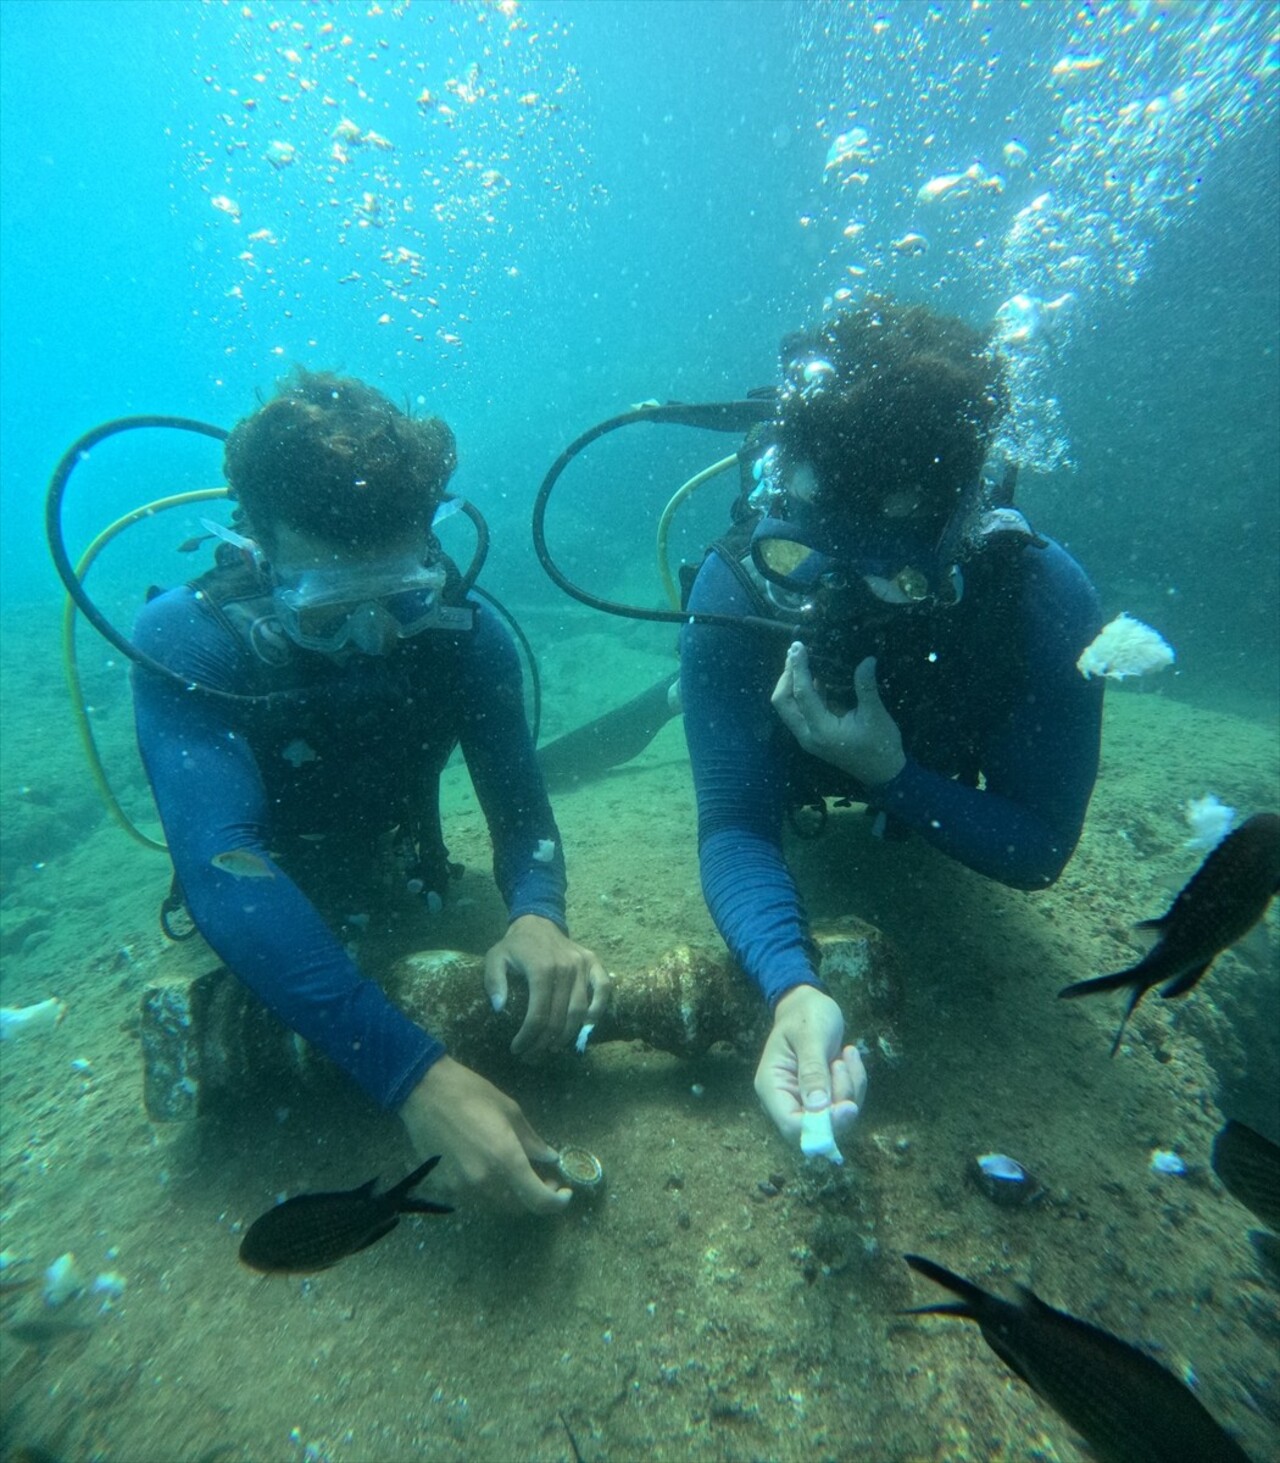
[867, 689]
[858, 1071]
[555, 1026]
[790, 715]
[531, 1190]
[576, 1014]
[540, 1196]
[600, 984]
[495, 978]
[807, 698]
[529, 1037]
[536, 1148]
[849, 1077]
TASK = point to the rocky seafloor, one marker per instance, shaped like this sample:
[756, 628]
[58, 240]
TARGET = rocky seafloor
[722, 1300]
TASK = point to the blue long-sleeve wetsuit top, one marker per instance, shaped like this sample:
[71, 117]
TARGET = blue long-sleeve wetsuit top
[988, 686]
[331, 764]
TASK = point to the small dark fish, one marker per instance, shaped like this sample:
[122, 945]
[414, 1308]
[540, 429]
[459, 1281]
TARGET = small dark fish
[242, 864]
[1249, 1166]
[45, 1331]
[314, 1231]
[1126, 1406]
[1226, 896]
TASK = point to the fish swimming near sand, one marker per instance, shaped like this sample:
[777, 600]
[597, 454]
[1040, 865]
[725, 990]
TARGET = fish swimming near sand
[314, 1231]
[1249, 1166]
[1224, 899]
[1126, 1406]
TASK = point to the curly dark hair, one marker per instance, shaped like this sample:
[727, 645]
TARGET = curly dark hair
[911, 409]
[333, 457]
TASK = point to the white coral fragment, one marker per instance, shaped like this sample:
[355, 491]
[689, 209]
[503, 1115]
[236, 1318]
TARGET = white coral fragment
[1209, 819]
[1125, 647]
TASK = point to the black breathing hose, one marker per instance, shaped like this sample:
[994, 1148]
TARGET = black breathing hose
[721, 416]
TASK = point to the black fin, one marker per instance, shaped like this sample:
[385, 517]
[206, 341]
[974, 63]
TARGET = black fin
[1135, 977]
[573, 1442]
[973, 1295]
[1181, 984]
[1129, 1010]
[1096, 984]
[401, 1190]
[423, 1206]
[1154, 924]
[610, 740]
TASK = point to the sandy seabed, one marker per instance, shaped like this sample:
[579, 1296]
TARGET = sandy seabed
[722, 1300]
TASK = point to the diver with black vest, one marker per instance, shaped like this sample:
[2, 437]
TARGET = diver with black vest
[334, 661]
[878, 625]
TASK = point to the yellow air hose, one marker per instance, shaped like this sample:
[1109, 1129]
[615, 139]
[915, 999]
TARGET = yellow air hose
[71, 667]
[664, 523]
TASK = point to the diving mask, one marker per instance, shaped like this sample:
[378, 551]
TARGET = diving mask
[367, 607]
[787, 555]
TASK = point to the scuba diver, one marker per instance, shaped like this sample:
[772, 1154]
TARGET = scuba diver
[931, 670]
[335, 661]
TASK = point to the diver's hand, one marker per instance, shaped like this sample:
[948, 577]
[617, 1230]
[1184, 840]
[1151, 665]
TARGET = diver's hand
[486, 1142]
[864, 742]
[803, 1069]
[567, 984]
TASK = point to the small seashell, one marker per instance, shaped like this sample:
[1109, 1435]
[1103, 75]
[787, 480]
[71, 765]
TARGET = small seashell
[110, 1285]
[62, 1281]
[1004, 1180]
[1165, 1160]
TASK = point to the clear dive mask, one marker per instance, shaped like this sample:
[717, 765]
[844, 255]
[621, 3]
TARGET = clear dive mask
[367, 607]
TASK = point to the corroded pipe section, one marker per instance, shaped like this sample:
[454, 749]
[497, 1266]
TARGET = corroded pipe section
[208, 1040]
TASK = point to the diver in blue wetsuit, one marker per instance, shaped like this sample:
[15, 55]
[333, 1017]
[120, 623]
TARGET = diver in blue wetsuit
[355, 673]
[932, 674]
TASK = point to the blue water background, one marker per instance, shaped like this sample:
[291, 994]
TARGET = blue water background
[627, 201]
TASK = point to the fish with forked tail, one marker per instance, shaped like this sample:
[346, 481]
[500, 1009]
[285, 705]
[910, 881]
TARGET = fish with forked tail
[1224, 899]
[314, 1231]
[1126, 1406]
